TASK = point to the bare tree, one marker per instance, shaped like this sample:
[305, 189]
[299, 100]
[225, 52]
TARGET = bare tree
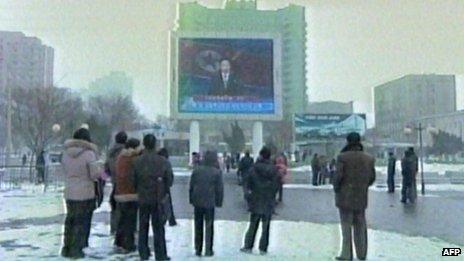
[36, 110]
[109, 114]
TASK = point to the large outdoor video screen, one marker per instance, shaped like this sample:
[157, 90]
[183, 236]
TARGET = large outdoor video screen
[226, 76]
[328, 125]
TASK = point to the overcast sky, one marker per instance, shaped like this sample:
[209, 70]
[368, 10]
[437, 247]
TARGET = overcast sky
[352, 45]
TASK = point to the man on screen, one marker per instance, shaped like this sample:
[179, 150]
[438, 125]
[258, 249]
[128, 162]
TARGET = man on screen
[225, 83]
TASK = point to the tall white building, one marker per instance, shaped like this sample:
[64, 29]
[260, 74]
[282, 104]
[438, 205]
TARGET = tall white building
[25, 61]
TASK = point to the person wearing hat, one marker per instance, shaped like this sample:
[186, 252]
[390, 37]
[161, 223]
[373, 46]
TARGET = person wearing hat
[355, 173]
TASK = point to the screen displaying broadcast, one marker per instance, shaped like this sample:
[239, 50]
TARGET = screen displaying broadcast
[328, 125]
[226, 76]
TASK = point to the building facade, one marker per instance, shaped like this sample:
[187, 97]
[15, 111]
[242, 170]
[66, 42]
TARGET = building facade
[330, 107]
[400, 102]
[111, 85]
[451, 123]
[245, 17]
[24, 61]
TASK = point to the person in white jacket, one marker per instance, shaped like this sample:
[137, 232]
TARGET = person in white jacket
[79, 159]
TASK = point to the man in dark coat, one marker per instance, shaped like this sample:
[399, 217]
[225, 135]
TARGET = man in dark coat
[225, 83]
[409, 168]
[355, 173]
[391, 172]
[152, 177]
[262, 185]
[110, 167]
[206, 191]
[244, 166]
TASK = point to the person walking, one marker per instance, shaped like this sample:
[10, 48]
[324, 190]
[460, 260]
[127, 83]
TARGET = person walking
[110, 168]
[172, 219]
[316, 169]
[152, 178]
[262, 186]
[228, 161]
[206, 191]
[355, 173]
[79, 161]
[126, 197]
[244, 166]
[282, 169]
[391, 169]
[408, 171]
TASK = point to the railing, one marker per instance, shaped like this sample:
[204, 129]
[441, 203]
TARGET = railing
[15, 176]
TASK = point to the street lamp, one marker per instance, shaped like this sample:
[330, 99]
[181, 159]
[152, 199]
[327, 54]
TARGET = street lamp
[420, 128]
[56, 128]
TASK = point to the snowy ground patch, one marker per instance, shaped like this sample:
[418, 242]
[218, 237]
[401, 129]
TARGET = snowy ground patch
[289, 241]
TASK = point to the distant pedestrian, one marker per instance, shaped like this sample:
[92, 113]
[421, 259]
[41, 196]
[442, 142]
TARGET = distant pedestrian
[40, 167]
[332, 170]
[355, 173]
[172, 219]
[196, 159]
[80, 169]
[316, 169]
[282, 169]
[262, 186]
[244, 167]
[110, 168]
[126, 197]
[206, 191]
[228, 162]
[408, 171]
[152, 177]
[391, 169]
[24, 160]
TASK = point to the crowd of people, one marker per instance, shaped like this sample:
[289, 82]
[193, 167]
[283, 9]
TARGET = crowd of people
[141, 179]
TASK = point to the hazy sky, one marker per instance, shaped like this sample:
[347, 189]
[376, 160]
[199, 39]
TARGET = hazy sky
[352, 45]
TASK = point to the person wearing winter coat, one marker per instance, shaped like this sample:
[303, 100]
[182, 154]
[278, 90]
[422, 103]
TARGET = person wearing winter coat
[126, 196]
[244, 166]
[79, 159]
[282, 169]
[262, 186]
[152, 177]
[409, 167]
[355, 173]
[110, 167]
[206, 191]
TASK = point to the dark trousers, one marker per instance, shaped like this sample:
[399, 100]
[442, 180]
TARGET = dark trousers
[407, 190]
[147, 213]
[127, 224]
[315, 177]
[253, 228]
[353, 222]
[115, 214]
[280, 191]
[391, 182]
[204, 227]
[77, 226]
[172, 218]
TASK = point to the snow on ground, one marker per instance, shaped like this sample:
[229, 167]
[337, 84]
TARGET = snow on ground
[428, 167]
[428, 187]
[30, 201]
[289, 241]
